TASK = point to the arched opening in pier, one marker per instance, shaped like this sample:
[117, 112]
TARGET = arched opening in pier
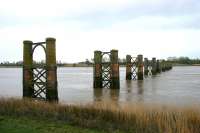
[106, 58]
[39, 70]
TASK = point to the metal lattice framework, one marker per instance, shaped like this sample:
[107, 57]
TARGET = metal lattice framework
[134, 68]
[106, 70]
[150, 68]
[39, 76]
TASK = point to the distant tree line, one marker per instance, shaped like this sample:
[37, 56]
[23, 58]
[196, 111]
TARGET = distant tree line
[20, 63]
[183, 60]
[7, 63]
[89, 62]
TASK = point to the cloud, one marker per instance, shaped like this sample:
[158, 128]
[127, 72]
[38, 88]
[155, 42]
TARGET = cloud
[159, 28]
[168, 13]
[98, 14]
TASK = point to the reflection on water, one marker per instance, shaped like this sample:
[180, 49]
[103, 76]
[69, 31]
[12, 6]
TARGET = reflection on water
[128, 90]
[98, 93]
[140, 90]
[140, 87]
[179, 86]
[128, 85]
[106, 94]
[114, 93]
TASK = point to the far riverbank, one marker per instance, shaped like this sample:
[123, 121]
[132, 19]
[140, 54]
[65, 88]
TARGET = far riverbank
[84, 65]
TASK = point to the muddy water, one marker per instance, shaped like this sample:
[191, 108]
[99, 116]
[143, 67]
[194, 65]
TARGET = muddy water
[180, 86]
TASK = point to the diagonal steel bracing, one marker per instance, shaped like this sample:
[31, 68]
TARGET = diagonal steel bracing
[106, 71]
[134, 68]
[39, 82]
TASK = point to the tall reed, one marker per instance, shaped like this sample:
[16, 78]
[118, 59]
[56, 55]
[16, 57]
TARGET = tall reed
[107, 116]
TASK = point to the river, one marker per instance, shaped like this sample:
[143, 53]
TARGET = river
[179, 86]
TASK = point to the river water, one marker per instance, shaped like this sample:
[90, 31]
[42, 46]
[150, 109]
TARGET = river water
[179, 86]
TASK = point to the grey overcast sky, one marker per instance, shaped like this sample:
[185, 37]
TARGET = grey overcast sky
[159, 28]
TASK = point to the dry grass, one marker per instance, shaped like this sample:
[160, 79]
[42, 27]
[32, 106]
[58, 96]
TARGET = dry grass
[135, 118]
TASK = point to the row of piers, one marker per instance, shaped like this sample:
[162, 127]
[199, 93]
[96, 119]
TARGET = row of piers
[156, 66]
[40, 81]
[136, 69]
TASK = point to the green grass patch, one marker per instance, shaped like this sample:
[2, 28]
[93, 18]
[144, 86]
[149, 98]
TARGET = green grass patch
[26, 125]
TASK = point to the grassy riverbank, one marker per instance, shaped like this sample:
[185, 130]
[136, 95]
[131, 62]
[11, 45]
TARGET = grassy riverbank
[27, 125]
[100, 117]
